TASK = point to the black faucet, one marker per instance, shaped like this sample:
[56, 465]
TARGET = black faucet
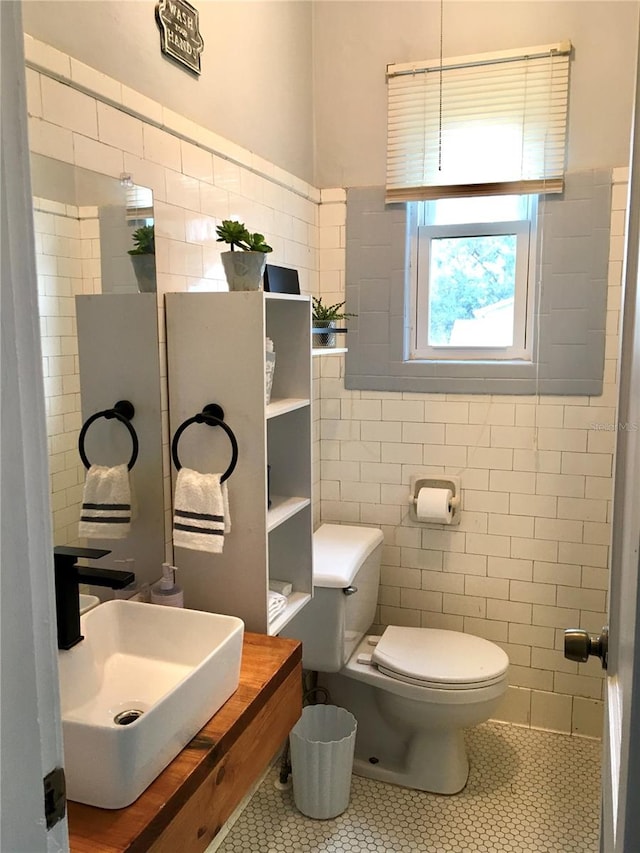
[67, 577]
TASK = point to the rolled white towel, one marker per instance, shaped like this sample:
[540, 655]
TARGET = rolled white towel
[277, 604]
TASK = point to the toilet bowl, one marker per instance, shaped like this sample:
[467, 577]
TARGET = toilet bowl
[412, 690]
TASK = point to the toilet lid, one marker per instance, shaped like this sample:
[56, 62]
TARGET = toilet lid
[446, 659]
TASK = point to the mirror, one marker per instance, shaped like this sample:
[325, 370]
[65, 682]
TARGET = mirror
[84, 231]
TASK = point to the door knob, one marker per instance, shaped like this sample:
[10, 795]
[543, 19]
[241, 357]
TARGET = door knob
[579, 645]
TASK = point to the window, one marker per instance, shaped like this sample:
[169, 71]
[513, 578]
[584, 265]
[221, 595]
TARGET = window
[470, 297]
[456, 137]
[472, 141]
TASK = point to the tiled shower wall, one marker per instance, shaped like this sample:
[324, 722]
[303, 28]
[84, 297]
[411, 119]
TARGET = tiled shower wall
[530, 555]
[67, 263]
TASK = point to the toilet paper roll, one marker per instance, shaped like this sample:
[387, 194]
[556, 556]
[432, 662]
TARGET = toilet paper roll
[434, 505]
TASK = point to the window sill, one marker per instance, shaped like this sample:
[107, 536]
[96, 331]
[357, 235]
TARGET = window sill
[507, 362]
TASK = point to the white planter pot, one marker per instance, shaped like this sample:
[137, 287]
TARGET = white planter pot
[144, 266]
[244, 270]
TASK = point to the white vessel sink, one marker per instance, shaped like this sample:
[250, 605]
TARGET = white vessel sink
[88, 602]
[136, 690]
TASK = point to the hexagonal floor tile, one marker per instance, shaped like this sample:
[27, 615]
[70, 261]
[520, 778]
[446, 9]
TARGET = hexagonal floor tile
[518, 800]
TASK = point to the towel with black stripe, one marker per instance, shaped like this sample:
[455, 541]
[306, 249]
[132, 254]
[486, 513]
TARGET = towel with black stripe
[201, 511]
[106, 503]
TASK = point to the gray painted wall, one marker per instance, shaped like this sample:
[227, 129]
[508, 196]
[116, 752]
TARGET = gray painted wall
[354, 42]
[302, 83]
[255, 86]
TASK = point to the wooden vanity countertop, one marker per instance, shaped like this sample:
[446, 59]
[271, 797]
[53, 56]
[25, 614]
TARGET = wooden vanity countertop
[189, 801]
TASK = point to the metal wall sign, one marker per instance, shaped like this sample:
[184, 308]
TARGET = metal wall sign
[179, 34]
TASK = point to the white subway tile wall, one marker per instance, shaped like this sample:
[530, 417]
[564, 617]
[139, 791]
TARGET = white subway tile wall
[67, 263]
[530, 556]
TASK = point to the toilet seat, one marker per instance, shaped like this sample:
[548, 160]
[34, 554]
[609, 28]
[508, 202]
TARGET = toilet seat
[446, 660]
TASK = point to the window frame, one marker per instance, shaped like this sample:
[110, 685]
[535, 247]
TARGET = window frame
[417, 349]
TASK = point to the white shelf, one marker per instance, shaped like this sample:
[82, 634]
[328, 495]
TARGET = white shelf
[286, 297]
[296, 601]
[288, 404]
[283, 508]
[328, 350]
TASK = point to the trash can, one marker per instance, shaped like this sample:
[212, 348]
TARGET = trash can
[322, 745]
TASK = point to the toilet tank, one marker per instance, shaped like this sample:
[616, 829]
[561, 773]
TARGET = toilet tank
[346, 577]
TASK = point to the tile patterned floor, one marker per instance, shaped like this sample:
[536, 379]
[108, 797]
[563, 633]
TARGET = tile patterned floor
[520, 798]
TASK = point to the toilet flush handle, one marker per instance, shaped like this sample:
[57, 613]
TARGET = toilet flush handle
[349, 590]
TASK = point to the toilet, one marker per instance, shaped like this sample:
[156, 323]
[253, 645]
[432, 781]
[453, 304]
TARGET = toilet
[412, 690]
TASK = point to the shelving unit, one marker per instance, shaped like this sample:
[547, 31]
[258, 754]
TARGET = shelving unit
[216, 354]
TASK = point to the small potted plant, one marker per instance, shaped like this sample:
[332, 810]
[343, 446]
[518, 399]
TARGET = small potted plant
[143, 258]
[244, 268]
[324, 318]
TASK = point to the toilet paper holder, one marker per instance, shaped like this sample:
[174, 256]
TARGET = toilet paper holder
[444, 481]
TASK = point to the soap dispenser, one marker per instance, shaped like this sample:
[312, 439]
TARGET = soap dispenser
[166, 591]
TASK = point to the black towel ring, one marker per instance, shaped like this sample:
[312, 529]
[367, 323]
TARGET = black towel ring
[123, 411]
[213, 415]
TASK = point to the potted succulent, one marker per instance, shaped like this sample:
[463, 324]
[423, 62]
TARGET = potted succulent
[243, 268]
[143, 258]
[323, 321]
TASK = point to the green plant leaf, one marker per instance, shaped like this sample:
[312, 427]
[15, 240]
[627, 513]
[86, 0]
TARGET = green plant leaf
[232, 232]
[235, 233]
[256, 243]
[325, 313]
[143, 241]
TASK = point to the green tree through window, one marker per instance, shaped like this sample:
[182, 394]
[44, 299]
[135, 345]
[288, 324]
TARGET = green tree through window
[468, 274]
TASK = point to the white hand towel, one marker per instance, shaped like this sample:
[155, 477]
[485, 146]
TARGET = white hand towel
[106, 503]
[277, 604]
[201, 511]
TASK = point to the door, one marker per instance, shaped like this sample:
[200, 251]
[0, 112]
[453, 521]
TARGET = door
[621, 741]
[621, 737]
[620, 829]
[31, 735]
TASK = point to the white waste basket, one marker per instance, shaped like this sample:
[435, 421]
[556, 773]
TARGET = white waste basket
[322, 745]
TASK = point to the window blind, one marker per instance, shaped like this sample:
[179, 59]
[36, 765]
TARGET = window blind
[139, 202]
[488, 124]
